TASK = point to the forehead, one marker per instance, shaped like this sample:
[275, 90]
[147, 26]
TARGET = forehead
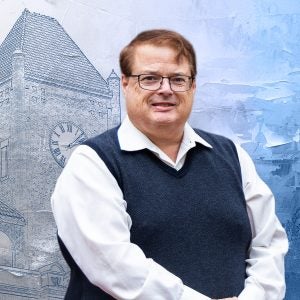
[156, 58]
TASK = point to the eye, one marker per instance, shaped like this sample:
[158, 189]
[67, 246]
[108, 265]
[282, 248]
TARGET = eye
[150, 79]
[179, 80]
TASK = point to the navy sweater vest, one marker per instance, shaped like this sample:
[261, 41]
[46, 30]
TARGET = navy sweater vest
[193, 221]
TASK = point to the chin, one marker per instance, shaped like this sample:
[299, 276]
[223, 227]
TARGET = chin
[164, 117]
[165, 122]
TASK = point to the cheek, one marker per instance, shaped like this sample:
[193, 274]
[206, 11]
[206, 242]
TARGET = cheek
[141, 98]
[136, 101]
[186, 101]
[186, 106]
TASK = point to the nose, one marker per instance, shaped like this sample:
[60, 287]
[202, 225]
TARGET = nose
[165, 86]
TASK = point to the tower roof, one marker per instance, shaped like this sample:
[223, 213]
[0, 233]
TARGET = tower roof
[50, 54]
[113, 75]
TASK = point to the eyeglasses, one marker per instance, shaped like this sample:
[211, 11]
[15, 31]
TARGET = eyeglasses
[152, 82]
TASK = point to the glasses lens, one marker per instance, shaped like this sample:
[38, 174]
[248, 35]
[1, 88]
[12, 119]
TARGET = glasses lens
[180, 83]
[150, 82]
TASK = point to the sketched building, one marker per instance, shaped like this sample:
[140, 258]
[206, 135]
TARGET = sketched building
[51, 99]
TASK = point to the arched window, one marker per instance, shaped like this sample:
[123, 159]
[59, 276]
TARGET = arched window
[5, 250]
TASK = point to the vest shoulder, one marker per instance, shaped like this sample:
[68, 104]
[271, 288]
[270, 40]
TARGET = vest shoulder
[104, 139]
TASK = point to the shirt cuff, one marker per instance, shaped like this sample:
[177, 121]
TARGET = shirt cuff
[190, 294]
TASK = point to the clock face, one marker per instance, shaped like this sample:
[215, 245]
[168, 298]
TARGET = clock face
[64, 137]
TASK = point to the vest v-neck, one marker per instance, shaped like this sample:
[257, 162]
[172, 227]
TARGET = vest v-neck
[171, 170]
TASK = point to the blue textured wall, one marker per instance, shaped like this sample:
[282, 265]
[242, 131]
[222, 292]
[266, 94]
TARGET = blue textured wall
[248, 81]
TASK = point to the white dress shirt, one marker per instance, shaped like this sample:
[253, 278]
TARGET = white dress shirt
[92, 221]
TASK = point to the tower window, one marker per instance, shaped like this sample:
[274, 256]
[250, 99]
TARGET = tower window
[4, 160]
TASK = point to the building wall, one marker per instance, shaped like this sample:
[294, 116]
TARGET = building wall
[33, 113]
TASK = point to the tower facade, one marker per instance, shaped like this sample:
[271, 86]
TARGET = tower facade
[114, 83]
[50, 96]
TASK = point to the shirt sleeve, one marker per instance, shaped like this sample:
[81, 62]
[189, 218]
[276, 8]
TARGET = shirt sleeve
[265, 266]
[92, 221]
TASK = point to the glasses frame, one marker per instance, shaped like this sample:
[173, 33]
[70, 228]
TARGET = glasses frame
[191, 78]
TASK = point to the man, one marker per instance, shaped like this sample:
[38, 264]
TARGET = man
[156, 210]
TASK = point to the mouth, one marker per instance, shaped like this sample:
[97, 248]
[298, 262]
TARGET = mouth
[163, 104]
[163, 107]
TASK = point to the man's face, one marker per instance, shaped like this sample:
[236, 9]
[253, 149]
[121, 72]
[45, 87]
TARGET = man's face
[150, 110]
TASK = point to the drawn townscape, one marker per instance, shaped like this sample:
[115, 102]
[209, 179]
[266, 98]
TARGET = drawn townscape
[51, 99]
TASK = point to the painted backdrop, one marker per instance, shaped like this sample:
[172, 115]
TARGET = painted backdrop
[60, 83]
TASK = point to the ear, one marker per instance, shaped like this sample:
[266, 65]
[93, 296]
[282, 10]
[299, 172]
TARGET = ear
[193, 88]
[124, 81]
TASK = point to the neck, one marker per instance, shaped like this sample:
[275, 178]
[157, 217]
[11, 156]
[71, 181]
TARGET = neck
[166, 139]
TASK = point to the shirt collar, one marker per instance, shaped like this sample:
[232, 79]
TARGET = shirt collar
[132, 139]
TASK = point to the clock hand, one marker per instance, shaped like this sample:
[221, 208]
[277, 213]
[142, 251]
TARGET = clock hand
[65, 146]
[77, 141]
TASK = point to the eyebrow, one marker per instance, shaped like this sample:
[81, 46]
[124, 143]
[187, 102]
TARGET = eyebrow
[158, 73]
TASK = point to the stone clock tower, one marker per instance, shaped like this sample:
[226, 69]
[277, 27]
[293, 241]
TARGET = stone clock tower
[51, 99]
